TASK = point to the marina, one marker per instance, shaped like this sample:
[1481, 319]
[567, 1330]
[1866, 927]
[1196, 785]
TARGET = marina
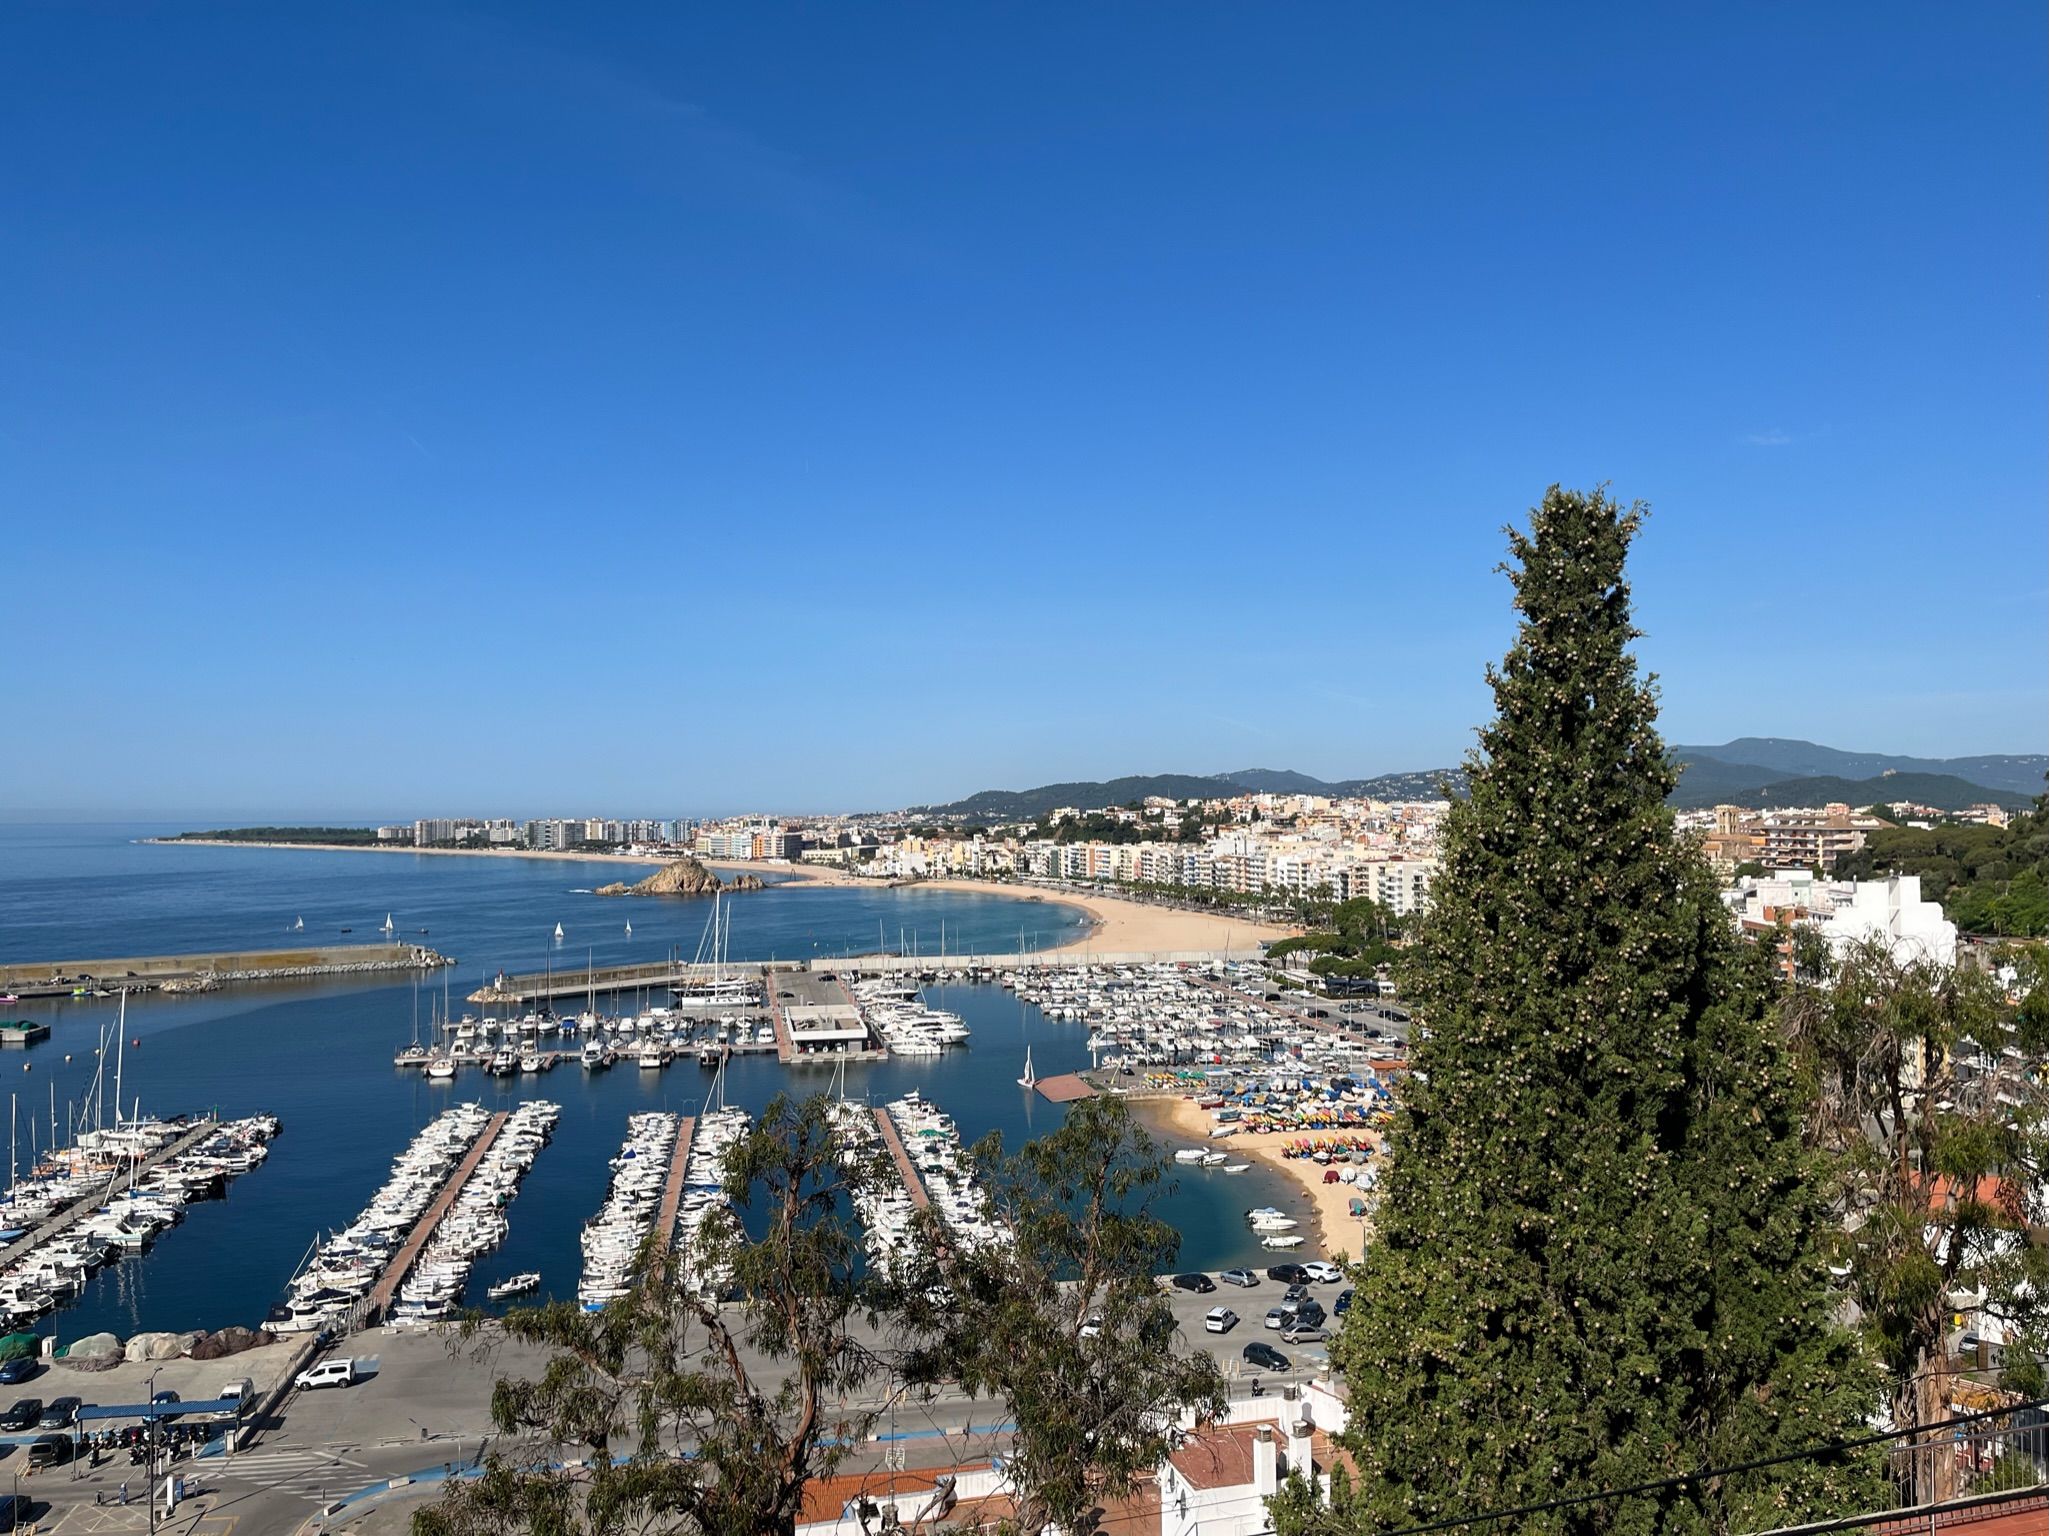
[612, 1239]
[322, 1056]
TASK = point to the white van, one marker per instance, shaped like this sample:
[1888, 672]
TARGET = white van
[328, 1373]
[242, 1393]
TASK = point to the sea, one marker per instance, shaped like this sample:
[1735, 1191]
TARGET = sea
[319, 1053]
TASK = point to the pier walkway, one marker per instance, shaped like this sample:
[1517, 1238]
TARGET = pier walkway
[672, 1192]
[904, 1167]
[387, 1285]
[78, 1210]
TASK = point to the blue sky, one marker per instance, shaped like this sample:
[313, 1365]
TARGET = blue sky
[420, 410]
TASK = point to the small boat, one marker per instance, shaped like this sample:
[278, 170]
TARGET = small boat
[441, 1069]
[1236, 1167]
[516, 1285]
[1189, 1155]
[595, 1055]
[629, 930]
[387, 925]
[1030, 1078]
[558, 933]
[1281, 1240]
[529, 1061]
[298, 927]
[650, 1057]
[707, 1056]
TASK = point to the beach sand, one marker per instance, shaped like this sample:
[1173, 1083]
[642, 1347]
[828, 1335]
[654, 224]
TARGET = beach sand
[1339, 1234]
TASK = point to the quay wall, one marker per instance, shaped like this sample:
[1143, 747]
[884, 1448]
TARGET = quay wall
[143, 973]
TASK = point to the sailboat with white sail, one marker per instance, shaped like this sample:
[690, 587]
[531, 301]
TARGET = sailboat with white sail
[1030, 1078]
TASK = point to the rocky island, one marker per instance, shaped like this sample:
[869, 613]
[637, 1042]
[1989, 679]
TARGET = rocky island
[683, 877]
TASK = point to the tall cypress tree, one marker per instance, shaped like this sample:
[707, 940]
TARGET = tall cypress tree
[1597, 1257]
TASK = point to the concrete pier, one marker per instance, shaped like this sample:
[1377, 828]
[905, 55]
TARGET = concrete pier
[379, 1299]
[203, 972]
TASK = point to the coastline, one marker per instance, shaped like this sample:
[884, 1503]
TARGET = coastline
[1115, 925]
[1337, 1234]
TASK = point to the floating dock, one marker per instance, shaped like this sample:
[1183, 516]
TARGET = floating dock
[672, 1192]
[202, 973]
[79, 1209]
[904, 1167]
[379, 1299]
[1065, 1088]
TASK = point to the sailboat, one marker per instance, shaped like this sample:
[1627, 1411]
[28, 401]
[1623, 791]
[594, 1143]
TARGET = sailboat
[558, 933]
[629, 930]
[299, 926]
[387, 925]
[1030, 1078]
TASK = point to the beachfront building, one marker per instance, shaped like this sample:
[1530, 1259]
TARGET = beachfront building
[1848, 913]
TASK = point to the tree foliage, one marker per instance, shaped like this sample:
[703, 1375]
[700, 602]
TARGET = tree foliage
[1598, 1257]
[694, 1416]
[1068, 1326]
[1926, 1095]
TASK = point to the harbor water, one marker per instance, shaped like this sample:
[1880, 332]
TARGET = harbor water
[319, 1055]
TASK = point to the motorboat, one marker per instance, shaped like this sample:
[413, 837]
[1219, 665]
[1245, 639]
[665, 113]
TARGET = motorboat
[441, 1069]
[515, 1285]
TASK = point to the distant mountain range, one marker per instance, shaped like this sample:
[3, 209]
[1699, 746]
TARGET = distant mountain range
[1757, 771]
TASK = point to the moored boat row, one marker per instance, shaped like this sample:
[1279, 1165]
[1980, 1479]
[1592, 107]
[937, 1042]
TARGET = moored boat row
[475, 1224]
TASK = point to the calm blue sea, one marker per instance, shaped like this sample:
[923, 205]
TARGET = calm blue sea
[320, 1055]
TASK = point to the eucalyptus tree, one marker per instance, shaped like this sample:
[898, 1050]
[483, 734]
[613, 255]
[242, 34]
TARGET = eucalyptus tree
[1063, 1316]
[691, 1413]
[1927, 1096]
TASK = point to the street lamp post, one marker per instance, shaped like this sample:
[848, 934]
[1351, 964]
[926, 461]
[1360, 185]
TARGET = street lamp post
[149, 1445]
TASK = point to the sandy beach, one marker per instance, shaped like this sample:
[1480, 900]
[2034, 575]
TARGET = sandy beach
[1338, 1233]
[1118, 927]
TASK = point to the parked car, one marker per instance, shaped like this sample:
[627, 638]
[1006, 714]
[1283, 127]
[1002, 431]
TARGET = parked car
[1201, 1284]
[159, 1401]
[1342, 1305]
[328, 1373]
[1303, 1334]
[1266, 1357]
[1288, 1274]
[1295, 1293]
[22, 1415]
[1310, 1315]
[14, 1372]
[14, 1510]
[1282, 1316]
[1092, 1325]
[1220, 1320]
[49, 1451]
[59, 1413]
[1238, 1277]
[1323, 1272]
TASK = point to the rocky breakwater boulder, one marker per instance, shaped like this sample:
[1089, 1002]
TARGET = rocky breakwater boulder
[229, 1341]
[681, 877]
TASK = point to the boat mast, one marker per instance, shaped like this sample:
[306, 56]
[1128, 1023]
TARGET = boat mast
[120, 1051]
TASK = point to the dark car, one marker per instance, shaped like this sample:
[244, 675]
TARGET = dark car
[1201, 1284]
[1266, 1357]
[1310, 1315]
[14, 1510]
[59, 1413]
[22, 1415]
[1295, 1293]
[49, 1450]
[1288, 1274]
[14, 1372]
[1342, 1305]
[159, 1400]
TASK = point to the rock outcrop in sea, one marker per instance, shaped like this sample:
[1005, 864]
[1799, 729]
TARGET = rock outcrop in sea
[683, 877]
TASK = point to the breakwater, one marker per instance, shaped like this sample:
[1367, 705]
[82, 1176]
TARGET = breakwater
[203, 972]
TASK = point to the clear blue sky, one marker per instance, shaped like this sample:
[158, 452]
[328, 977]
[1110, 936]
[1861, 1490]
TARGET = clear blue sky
[409, 409]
